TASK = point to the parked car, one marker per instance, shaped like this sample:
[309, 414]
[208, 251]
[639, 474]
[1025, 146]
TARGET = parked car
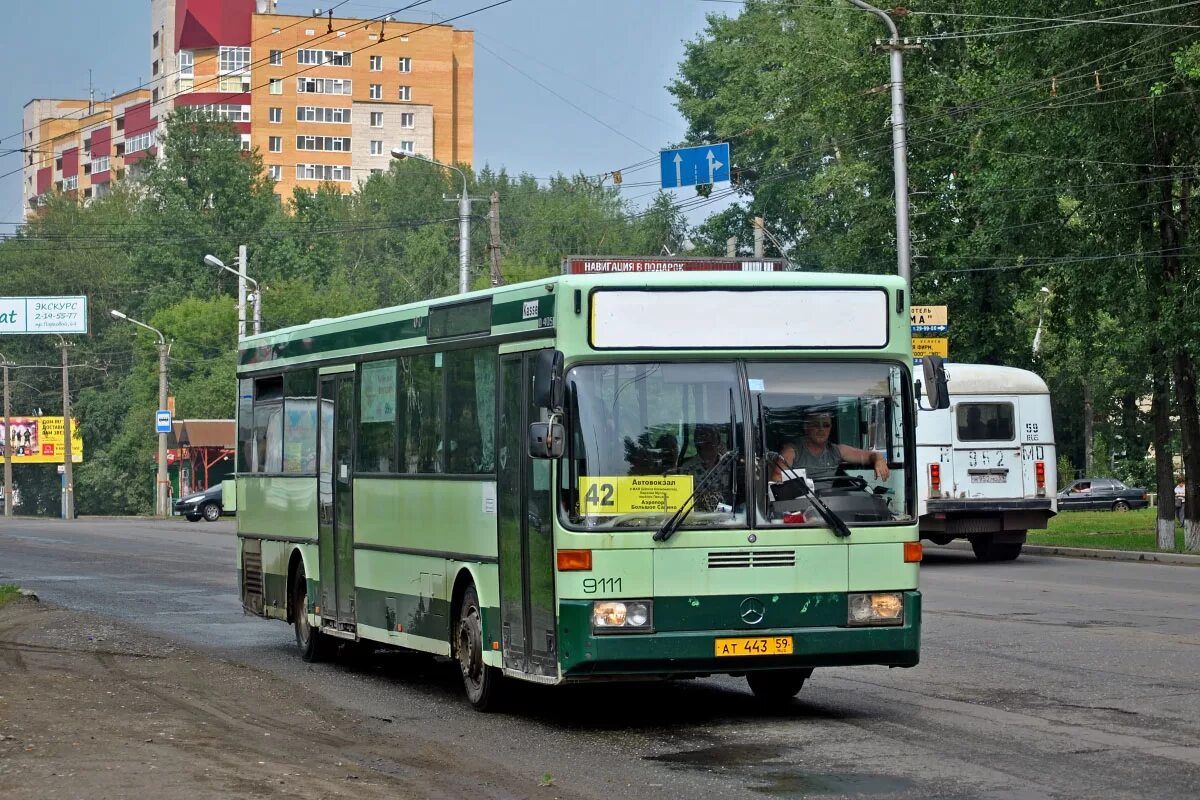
[1101, 494]
[204, 505]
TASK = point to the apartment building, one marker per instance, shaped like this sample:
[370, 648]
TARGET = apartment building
[323, 99]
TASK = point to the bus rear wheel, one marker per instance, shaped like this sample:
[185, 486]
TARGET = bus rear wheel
[314, 645]
[987, 549]
[777, 685]
[481, 681]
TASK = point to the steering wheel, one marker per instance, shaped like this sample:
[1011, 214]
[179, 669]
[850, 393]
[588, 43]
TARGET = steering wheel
[845, 481]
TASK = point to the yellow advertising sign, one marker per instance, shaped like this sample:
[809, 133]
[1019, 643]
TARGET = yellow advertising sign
[39, 440]
[928, 315]
[931, 346]
[634, 493]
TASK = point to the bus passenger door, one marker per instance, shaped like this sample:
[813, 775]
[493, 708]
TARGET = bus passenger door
[526, 545]
[335, 501]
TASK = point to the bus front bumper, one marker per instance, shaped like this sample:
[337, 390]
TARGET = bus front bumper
[682, 653]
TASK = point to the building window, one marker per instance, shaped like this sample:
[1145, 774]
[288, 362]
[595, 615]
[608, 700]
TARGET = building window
[276, 86]
[233, 83]
[335, 144]
[183, 85]
[155, 39]
[71, 183]
[136, 144]
[376, 63]
[376, 91]
[408, 120]
[376, 147]
[275, 172]
[100, 164]
[406, 93]
[376, 119]
[154, 95]
[275, 114]
[408, 147]
[322, 172]
[276, 58]
[226, 113]
[275, 144]
[324, 85]
[322, 114]
[154, 67]
[317, 58]
[187, 64]
[405, 64]
[234, 60]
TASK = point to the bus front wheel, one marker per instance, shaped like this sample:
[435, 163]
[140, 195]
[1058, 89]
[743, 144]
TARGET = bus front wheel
[777, 685]
[314, 645]
[481, 681]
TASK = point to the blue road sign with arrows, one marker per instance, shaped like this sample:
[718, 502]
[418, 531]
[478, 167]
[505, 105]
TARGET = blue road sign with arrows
[692, 166]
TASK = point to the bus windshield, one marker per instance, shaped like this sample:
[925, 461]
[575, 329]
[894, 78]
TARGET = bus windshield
[643, 439]
[838, 426]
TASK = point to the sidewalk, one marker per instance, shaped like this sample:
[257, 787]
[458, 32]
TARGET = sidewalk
[1147, 556]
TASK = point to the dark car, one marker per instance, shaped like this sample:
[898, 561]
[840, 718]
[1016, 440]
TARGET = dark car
[1101, 494]
[204, 505]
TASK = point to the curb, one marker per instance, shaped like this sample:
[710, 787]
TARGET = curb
[1144, 556]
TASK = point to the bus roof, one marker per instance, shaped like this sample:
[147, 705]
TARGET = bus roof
[992, 379]
[534, 308]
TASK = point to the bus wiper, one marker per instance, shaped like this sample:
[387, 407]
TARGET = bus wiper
[798, 487]
[675, 520]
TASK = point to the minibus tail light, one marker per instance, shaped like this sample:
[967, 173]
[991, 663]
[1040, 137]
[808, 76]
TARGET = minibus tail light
[913, 551]
[1039, 469]
[574, 560]
[935, 480]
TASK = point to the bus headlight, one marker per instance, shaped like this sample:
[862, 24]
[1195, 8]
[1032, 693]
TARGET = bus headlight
[622, 616]
[876, 608]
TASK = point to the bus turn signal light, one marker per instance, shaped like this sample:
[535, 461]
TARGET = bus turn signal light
[574, 560]
[1039, 469]
[913, 552]
[935, 480]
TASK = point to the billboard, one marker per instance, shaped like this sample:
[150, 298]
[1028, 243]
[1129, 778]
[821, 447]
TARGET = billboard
[39, 440]
[43, 315]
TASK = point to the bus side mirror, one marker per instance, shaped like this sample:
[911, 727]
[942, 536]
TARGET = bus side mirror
[547, 440]
[548, 380]
[935, 382]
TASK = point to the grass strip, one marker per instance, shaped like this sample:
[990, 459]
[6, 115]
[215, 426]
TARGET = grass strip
[1105, 530]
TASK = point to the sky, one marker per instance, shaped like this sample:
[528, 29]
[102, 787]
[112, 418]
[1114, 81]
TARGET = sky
[611, 58]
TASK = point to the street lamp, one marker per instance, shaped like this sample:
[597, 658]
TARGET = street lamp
[243, 279]
[162, 493]
[896, 47]
[1044, 295]
[464, 215]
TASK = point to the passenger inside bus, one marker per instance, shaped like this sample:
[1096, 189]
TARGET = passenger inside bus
[718, 495]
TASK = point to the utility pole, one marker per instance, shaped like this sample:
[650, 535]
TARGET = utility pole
[494, 243]
[241, 294]
[68, 478]
[8, 484]
[759, 237]
[163, 493]
[899, 141]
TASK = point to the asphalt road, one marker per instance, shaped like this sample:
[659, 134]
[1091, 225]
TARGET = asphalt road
[1044, 678]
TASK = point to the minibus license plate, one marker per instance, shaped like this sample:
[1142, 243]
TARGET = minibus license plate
[988, 478]
[760, 646]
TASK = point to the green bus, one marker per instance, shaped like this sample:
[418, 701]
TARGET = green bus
[594, 477]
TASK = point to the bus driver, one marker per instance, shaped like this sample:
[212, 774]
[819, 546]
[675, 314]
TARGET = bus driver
[820, 458]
